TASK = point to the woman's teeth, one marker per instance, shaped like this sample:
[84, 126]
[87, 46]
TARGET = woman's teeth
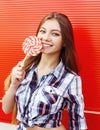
[47, 45]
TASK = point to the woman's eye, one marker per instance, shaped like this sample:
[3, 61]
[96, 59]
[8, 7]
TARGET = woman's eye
[55, 34]
[42, 31]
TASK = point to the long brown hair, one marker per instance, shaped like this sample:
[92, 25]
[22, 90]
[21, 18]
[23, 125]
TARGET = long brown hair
[68, 52]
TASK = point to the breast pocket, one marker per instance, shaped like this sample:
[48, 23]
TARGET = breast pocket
[51, 94]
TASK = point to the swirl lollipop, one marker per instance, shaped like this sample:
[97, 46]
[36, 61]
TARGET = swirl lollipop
[32, 46]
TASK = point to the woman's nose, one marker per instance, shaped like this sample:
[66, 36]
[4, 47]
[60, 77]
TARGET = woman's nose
[46, 37]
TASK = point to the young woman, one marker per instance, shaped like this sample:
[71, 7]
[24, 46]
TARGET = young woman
[48, 82]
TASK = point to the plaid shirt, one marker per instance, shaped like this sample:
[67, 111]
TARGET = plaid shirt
[42, 103]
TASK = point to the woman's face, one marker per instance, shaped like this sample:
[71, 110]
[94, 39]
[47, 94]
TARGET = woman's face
[50, 34]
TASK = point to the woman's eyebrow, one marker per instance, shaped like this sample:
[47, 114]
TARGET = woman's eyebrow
[51, 29]
[56, 30]
[42, 28]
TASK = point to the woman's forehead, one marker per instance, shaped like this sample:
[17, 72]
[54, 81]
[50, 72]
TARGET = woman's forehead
[51, 24]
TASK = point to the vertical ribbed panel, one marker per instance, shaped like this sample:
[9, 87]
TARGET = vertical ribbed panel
[20, 18]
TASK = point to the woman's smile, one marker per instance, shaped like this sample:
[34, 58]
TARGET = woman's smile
[47, 45]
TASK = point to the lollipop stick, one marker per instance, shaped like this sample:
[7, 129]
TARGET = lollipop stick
[25, 59]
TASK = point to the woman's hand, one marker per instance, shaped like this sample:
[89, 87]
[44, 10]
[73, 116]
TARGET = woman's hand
[18, 74]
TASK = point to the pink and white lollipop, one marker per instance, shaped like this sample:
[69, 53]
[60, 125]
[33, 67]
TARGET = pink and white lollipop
[32, 46]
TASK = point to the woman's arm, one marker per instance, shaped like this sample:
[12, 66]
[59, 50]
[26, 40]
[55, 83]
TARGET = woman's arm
[8, 100]
[17, 76]
[76, 105]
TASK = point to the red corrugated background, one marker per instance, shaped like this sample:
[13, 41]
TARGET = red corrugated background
[20, 18]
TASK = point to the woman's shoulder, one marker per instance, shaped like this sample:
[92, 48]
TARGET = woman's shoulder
[73, 75]
[68, 70]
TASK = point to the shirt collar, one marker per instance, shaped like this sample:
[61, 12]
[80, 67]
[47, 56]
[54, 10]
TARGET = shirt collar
[59, 70]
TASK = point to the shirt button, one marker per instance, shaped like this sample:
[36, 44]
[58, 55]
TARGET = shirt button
[50, 90]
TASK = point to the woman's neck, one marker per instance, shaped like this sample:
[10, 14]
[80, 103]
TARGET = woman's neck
[48, 61]
[46, 65]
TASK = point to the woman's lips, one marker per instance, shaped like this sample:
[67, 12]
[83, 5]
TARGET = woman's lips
[47, 45]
